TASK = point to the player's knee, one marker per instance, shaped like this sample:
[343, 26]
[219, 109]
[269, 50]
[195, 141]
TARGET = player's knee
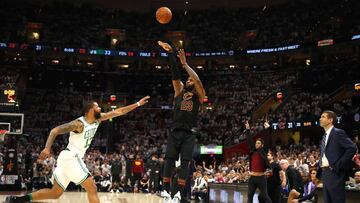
[91, 188]
[56, 193]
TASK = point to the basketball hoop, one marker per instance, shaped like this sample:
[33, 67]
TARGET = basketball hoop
[2, 135]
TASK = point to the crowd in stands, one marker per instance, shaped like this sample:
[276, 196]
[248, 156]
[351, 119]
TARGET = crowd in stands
[142, 134]
[126, 170]
[235, 96]
[231, 104]
[301, 106]
[136, 161]
[312, 92]
[296, 22]
[8, 79]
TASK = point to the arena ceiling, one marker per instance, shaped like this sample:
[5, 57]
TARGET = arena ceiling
[149, 5]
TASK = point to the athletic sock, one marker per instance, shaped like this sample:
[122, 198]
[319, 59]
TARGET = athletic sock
[167, 184]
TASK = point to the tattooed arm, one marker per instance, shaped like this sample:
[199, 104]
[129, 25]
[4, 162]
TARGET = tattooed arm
[123, 110]
[74, 125]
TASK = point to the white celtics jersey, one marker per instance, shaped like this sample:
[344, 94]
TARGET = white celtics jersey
[80, 142]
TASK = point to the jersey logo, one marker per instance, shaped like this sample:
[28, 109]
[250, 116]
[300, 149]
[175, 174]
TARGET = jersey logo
[187, 105]
[188, 95]
[90, 133]
[88, 136]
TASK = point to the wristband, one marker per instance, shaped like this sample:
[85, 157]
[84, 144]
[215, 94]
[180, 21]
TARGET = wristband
[138, 103]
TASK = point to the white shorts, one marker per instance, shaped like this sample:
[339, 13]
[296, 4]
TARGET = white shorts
[70, 168]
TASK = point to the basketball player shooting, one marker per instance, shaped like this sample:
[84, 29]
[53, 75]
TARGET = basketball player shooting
[70, 166]
[181, 140]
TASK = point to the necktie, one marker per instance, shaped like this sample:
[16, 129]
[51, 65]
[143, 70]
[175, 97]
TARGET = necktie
[322, 148]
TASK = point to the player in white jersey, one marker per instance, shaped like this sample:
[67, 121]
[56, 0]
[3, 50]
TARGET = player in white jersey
[70, 166]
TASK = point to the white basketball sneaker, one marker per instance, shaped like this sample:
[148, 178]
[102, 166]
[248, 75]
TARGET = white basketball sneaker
[177, 198]
[166, 197]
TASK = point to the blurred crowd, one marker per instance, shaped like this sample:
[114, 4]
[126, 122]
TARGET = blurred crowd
[64, 24]
[135, 162]
[301, 106]
[8, 79]
[129, 170]
[135, 159]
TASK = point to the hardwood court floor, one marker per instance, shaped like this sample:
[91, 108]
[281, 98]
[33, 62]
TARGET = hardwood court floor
[81, 197]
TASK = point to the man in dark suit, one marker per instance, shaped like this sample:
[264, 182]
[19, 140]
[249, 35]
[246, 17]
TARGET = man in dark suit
[273, 180]
[337, 151]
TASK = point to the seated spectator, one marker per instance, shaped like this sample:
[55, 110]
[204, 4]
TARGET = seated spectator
[313, 164]
[105, 182]
[354, 183]
[199, 190]
[144, 184]
[310, 185]
[98, 179]
[293, 177]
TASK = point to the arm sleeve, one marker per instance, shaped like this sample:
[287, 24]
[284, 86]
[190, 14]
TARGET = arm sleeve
[175, 71]
[250, 140]
[350, 150]
[308, 197]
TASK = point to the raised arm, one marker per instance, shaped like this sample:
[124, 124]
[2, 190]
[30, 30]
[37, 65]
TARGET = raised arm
[249, 137]
[123, 110]
[204, 166]
[175, 72]
[197, 82]
[75, 125]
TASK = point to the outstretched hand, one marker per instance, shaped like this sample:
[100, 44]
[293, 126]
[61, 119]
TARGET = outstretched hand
[266, 124]
[165, 46]
[144, 100]
[182, 56]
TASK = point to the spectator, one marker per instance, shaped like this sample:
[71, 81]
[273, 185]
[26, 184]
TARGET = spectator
[199, 190]
[311, 183]
[294, 178]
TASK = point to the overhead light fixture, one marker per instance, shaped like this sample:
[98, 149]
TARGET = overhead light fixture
[55, 61]
[35, 35]
[158, 67]
[114, 41]
[199, 67]
[124, 66]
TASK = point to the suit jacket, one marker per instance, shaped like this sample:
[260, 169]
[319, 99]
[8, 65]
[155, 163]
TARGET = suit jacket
[274, 180]
[339, 151]
[294, 179]
[262, 151]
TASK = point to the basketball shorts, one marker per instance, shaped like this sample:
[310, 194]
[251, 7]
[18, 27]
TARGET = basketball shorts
[70, 168]
[180, 142]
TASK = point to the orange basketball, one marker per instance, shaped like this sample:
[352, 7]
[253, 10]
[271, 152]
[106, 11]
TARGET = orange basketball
[163, 15]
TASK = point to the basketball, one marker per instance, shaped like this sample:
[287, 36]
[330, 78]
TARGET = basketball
[163, 15]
